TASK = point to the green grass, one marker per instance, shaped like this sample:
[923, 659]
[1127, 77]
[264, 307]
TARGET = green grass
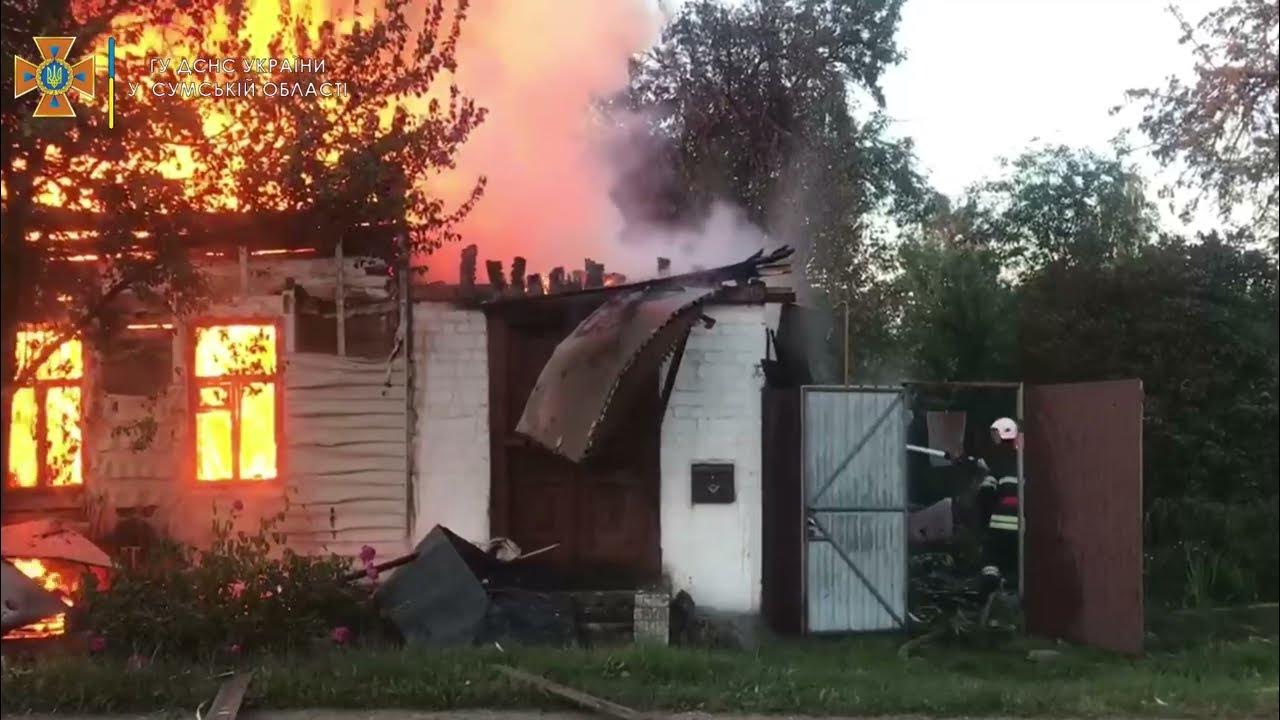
[1221, 669]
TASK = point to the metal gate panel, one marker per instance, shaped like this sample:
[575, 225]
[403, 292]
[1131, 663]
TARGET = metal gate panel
[1083, 509]
[854, 466]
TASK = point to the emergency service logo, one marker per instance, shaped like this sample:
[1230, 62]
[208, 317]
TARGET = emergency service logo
[55, 77]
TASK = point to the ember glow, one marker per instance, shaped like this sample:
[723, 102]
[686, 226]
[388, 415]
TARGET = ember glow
[235, 420]
[52, 582]
[45, 429]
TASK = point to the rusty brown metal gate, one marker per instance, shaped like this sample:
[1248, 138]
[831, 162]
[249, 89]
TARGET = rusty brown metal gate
[1083, 510]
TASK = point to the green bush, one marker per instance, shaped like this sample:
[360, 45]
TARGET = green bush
[246, 593]
[1201, 552]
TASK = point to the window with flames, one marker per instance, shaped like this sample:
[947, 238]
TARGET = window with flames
[236, 391]
[45, 423]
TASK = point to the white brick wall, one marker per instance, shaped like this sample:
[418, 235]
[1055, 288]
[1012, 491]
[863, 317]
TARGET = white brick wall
[714, 415]
[451, 385]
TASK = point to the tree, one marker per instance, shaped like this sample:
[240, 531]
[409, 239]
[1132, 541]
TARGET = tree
[359, 157]
[957, 311]
[1197, 322]
[1223, 123]
[775, 106]
[760, 102]
[333, 163]
[1061, 205]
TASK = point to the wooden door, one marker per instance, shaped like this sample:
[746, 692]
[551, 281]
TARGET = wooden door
[603, 514]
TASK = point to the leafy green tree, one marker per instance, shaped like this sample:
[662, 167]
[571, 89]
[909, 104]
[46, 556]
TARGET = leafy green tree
[958, 315]
[757, 96]
[1224, 123]
[1059, 204]
[1197, 322]
[775, 106]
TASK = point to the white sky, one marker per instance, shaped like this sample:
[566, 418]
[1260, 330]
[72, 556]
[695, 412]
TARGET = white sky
[986, 78]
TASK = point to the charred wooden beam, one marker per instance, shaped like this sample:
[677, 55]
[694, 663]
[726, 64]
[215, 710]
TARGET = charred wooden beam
[517, 275]
[534, 285]
[557, 280]
[664, 267]
[467, 270]
[593, 274]
[497, 282]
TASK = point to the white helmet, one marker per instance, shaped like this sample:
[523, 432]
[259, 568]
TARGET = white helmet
[1004, 429]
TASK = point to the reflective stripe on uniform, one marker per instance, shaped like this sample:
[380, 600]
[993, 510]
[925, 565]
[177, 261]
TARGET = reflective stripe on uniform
[990, 482]
[1008, 481]
[1004, 522]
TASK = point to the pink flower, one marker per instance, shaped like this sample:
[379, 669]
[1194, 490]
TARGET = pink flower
[235, 648]
[367, 554]
[237, 589]
[341, 635]
[237, 505]
[97, 644]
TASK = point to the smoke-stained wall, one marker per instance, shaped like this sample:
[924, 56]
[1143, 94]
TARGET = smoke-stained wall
[711, 551]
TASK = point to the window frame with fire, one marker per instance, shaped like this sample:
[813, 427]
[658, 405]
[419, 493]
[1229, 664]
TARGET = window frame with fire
[205, 405]
[48, 377]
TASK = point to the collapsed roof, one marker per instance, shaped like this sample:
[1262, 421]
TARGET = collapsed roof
[595, 374]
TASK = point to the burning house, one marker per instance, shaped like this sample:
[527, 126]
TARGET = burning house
[619, 422]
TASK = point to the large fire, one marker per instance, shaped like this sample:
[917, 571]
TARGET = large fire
[235, 374]
[45, 432]
[53, 582]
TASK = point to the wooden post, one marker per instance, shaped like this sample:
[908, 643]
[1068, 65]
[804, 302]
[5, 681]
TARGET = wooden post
[467, 270]
[497, 283]
[517, 275]
[593, 274]
[339, 300]
[243, 259]
[847, 369]
[405, 288]
[289, 307]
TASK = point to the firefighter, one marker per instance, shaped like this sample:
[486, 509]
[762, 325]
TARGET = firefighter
[998, 502]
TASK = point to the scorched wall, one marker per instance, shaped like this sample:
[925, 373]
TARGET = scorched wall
[712, 551]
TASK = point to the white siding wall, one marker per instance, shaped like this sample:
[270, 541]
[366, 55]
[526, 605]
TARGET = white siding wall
[451, 457]
[344, 451]
[346, 454]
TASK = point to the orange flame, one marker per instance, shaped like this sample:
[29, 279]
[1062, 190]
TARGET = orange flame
[56, 420]
[235, 368]
[51, 582]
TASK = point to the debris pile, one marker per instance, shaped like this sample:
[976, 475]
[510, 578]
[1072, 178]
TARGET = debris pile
[453, 593]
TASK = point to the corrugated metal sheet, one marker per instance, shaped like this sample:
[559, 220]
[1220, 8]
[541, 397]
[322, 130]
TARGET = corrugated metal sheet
[855, 485]
[839, 601]
[579, 394]
[1083, 508]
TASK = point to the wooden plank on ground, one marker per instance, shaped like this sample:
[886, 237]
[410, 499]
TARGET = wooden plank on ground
[577, 697]
[226, 704]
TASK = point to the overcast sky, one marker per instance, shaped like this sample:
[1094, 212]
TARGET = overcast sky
[984, 78]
